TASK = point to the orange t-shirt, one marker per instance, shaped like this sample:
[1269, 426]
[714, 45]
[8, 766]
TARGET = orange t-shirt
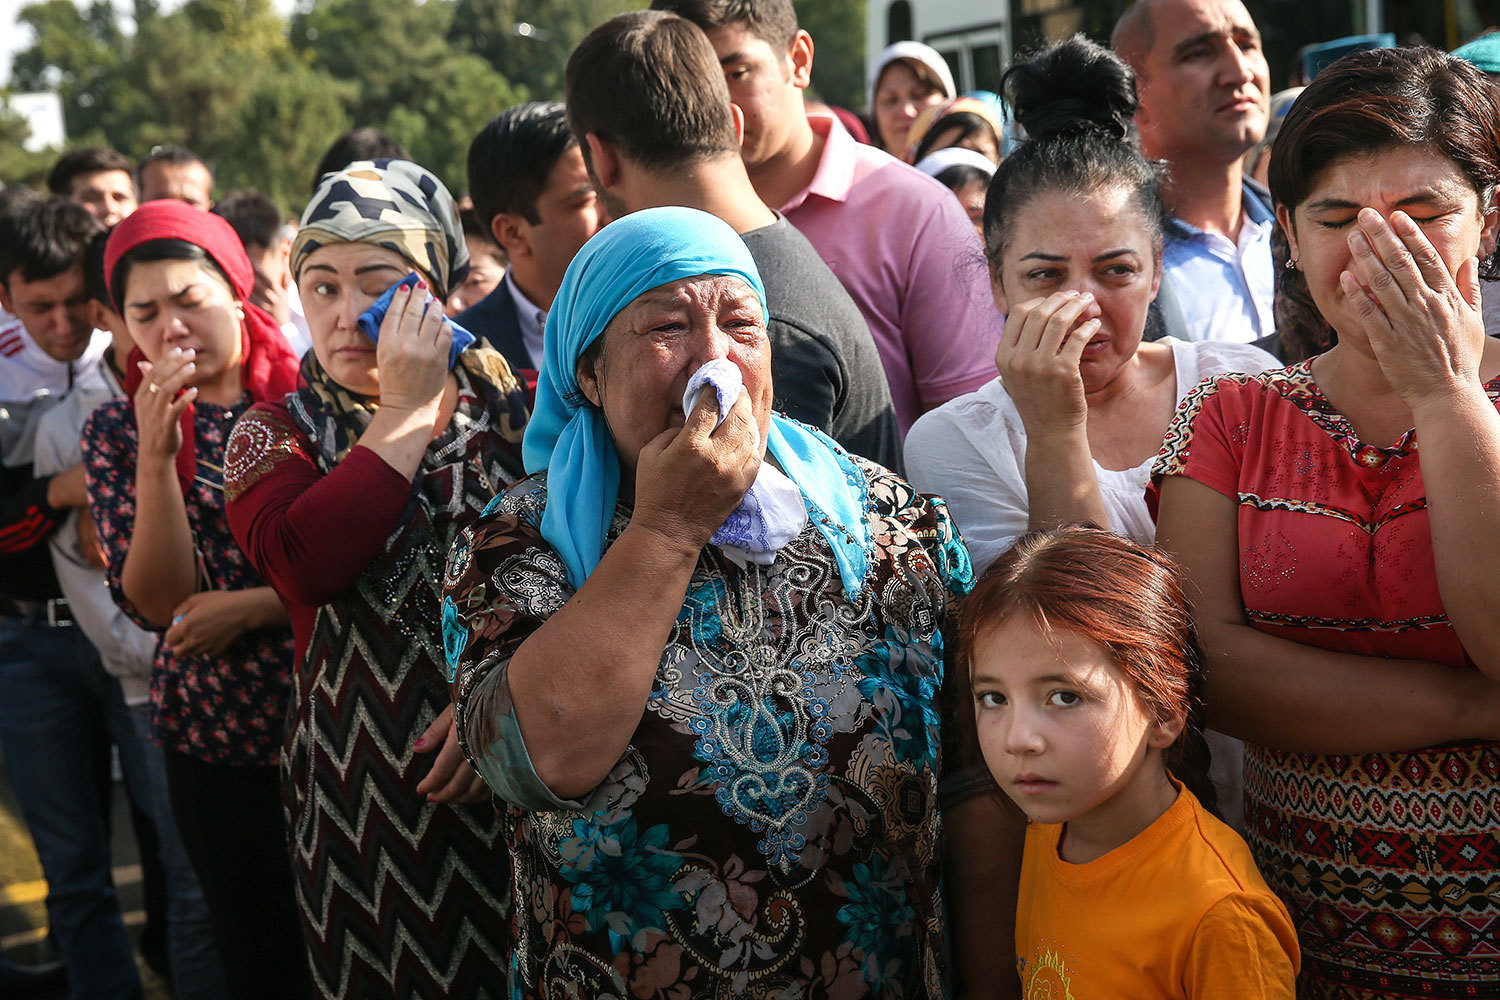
[1178, 911]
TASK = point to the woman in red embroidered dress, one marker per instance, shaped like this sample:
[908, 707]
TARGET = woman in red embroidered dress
[1348, 585]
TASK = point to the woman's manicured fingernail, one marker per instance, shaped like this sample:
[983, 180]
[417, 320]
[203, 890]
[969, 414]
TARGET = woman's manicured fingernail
[421, 741]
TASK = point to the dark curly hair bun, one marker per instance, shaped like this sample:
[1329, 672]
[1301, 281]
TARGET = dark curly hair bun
[1076, 100]
[1073, 86]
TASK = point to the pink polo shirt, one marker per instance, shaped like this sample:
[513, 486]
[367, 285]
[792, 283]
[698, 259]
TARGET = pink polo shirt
[906, 251]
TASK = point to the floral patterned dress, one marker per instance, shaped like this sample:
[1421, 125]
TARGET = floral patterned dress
[225, 709]
[771, 831]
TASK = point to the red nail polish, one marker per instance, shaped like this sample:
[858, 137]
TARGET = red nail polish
[418, 745]
[422, 284]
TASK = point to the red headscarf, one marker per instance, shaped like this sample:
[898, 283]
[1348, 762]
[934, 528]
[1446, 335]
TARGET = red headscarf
[269, 365]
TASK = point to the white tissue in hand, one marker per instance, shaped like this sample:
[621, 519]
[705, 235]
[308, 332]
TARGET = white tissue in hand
[773, 512]
[723, 376]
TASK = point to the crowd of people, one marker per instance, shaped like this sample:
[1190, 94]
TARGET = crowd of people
[738, 548]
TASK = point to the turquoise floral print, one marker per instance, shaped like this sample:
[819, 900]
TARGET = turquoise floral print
[877, 922]
[902, 679]
[771, 830]
[455, 636]
[622, 882]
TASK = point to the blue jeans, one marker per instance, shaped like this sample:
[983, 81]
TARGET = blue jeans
[197, 972]
[57, 705]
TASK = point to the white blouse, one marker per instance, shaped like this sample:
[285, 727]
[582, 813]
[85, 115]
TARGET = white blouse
[972, 452]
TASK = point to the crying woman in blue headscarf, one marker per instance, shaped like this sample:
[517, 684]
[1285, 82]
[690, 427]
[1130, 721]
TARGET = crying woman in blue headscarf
[699, 654]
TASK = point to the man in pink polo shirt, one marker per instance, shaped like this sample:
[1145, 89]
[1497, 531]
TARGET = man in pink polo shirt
[897, 239]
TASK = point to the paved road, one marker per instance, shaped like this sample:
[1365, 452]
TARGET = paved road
[23, 917]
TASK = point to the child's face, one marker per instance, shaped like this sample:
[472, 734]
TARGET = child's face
[1063, 731]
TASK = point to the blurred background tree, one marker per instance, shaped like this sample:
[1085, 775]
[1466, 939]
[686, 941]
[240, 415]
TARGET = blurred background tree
[17, 164]
[530, 39]
[838, 32]
[261, 96]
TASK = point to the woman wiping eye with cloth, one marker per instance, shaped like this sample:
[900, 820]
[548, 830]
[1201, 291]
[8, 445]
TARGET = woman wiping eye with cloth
[346, 494]
[672, 724]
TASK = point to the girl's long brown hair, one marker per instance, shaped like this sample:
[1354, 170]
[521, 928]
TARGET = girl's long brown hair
[1110, 591]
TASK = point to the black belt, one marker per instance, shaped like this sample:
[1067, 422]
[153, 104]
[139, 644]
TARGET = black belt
[53, 611]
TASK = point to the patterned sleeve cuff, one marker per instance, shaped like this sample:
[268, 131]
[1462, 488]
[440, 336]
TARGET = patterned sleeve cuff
[258, 443]
[491, 738]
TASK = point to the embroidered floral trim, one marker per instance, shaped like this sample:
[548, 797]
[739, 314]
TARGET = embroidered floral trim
[258, 443]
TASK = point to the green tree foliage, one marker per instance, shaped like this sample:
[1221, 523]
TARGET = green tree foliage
[17, 165]
[259, 98]
[838, 31]
[287, 121]
[406, 75]
[218, 76]
[528, 39]
[78, 52]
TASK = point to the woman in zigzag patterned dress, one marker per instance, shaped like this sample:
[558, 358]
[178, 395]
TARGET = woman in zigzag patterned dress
[1348, 582]
[346, 496]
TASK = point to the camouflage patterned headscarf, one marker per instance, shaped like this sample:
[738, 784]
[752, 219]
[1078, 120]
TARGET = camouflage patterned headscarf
[394, 204]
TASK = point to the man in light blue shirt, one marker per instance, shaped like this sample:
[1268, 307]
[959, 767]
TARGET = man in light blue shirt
[1203, 87]
[1223, 287]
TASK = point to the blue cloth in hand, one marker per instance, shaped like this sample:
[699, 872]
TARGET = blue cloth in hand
[369, 321]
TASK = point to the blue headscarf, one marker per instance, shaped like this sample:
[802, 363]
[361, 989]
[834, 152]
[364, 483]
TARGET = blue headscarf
[568, 437]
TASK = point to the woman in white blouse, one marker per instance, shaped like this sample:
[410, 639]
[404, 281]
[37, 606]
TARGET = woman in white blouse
[1073, 232]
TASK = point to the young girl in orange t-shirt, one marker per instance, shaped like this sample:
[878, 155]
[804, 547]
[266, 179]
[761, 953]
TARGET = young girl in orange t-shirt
[1085, 669]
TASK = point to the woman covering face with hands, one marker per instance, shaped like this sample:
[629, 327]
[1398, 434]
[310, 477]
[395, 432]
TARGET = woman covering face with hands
[347, 494]
[154, 462]
[1073, 229]
[1345, 579]
[698, 653]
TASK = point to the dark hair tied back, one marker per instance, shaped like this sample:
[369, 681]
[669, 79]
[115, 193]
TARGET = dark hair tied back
[1076, 101]
[1071, 87]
